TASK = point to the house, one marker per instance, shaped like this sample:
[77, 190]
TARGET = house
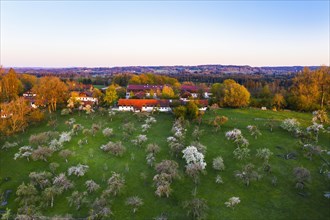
[202, 104]
[149, 105]
[29, 94]
[86, 98]
[143, 89]
[31, 97]
[144, 105]
[194, 91]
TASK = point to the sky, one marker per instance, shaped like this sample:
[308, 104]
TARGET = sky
[152, 33]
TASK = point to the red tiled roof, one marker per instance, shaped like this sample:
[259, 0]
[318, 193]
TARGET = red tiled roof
[138, 103]
[189, 88]
[203, 102]
[194, 89]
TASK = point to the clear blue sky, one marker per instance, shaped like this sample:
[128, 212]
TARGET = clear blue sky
[110, 33]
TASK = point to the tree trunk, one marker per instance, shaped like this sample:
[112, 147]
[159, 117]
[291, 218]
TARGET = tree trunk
[52, 202]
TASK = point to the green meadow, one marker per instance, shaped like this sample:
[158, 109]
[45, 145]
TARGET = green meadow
[260, 200]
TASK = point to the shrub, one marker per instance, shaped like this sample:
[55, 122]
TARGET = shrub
[107, 132]
[218, 179]
[218, 163]
[65, 111]
[254, 131]
[264, 153]
[241, 153]
[7, 145]
[39, 139]
[302, 176]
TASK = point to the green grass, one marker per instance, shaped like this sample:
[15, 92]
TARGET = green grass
[260, 200]
[99, 86]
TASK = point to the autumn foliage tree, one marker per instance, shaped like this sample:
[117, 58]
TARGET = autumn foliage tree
[235, 95]
[231, 94]
[16, 115]
[10, 86]
[167, 92]
[311, 89]
[111, 95]
[278, 101]
[50, 91]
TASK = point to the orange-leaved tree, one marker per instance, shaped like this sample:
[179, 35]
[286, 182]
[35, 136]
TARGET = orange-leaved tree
[50, 91]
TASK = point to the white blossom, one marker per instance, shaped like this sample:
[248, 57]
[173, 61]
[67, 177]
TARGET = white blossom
[291, 125]
[78, 170]
[232, 202]
[171, 139]
[233, 134]
[65, 137]
[107, 132]
[315, 128]
[192, 156]
[25, 151]
[140, 139]
[145, 127]
[150, 120]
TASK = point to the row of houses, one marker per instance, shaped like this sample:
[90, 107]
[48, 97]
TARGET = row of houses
[161, 105]
[145, 103]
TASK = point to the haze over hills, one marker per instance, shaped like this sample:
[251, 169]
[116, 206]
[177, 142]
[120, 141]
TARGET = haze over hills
[169, 70]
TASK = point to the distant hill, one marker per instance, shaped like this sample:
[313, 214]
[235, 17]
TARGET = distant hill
[170, 70]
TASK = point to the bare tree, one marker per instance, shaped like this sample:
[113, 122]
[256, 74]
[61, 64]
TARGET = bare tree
[196, 208]
[91, 186]
[41, 179]
[115, 183]
[135, 202]
[77, 199]
[247, 174]
[100, 209]
[65, 154]
[116, 148]
[42, 153]
[152, 148]
[53, 166]
[61, 181]
[49, 194]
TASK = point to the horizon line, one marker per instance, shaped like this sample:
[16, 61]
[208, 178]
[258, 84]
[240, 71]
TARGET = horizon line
[71, 67]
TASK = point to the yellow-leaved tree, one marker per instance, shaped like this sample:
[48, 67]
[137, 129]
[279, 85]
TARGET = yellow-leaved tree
[235, 95]
[167, 92]
[111, 95]
[311, 89]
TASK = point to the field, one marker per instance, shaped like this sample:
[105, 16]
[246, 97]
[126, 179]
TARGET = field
[260, 200]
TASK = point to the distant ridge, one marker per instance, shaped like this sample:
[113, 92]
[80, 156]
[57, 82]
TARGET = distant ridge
[170, 70]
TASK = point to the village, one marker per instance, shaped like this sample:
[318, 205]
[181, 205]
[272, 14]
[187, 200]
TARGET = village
[138, 98]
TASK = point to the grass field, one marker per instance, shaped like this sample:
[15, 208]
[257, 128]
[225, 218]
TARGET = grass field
[260, 200]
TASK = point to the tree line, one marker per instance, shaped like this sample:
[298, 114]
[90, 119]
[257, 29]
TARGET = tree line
[307, 91]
